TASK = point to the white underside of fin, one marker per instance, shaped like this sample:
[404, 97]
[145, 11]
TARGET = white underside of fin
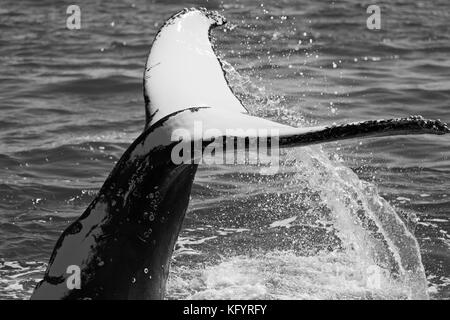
[206, 124]
[182, 69]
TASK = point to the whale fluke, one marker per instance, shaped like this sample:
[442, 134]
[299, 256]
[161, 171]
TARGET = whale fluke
[123, 242]
[220, 120]
[182, 69]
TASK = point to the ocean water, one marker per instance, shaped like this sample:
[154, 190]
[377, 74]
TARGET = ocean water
[361, 219]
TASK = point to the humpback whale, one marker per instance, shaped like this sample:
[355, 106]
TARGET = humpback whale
[124, 240]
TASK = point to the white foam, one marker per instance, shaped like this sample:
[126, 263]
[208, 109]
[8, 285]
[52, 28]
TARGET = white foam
[285, 275]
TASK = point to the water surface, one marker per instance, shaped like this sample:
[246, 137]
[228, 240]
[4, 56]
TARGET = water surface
[336, 222]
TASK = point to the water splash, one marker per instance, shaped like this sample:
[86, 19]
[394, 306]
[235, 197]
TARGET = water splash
[371, 232]
[366, 223]
[284, 275]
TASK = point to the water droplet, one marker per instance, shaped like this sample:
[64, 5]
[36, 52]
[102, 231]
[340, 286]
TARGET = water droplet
[133, 280]
[148, 233]
[145, 270]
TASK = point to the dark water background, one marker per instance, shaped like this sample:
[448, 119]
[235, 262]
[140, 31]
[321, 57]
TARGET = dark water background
[71, 102]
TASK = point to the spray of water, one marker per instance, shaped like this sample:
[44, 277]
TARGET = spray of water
[377, 257]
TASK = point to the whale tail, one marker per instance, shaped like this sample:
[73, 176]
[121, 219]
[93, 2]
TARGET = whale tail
[122, 244]
[183, 71]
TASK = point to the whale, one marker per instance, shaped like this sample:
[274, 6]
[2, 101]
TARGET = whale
[123, 242]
